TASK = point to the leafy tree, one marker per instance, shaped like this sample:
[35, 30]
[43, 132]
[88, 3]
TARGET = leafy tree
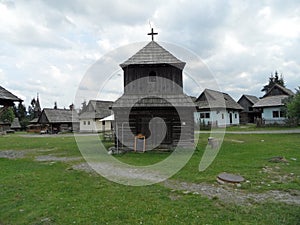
[293, 107]
[7, 115]
[272, 81]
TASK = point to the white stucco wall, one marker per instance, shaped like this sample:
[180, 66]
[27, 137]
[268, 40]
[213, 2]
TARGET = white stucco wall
[91, 125]
[267, 115]
[221, 116]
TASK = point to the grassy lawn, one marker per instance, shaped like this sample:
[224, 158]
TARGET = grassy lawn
[33, 192]
[253, 127]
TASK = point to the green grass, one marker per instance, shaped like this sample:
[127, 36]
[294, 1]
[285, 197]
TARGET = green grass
[253, 127]
[50, 193]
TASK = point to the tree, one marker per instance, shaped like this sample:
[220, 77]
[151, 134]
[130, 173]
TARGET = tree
[55, 105]
[272, 81]
[7, 115]
[83, 107]
[293, 107]
[21, 113]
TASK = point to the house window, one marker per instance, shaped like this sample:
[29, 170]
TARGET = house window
[222, 116]
[235, 116]
[89, 123]
[275, 114]
[152, 76]
[204, 115]
[103, 123]
[84, 122]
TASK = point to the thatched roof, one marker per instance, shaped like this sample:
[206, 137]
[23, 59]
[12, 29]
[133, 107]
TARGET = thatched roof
[276, 100]
[59, 116]
[7, 98]
[210, 99]
[153, 53]
[96, 109]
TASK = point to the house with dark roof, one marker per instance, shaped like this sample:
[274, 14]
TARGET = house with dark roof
[248, 114]
[217, 109]
[271, 105]
[15, 125]
[59, 120]
[7, 100]
[153, 89]
[91, 117]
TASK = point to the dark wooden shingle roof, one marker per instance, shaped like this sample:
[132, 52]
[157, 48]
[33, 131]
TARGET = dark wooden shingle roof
[270, 101]
[253, 99]
[159, 100]
[278, 90]
[15, 124]
[210, 99]
[59, 115]
[153, 53]
[97, 109]
[7, 98]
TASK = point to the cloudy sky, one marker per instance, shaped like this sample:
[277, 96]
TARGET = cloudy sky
[47, 47]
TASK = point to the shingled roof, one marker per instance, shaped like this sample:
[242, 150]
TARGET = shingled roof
[59, 115]
[159, 100]
[15, 124]
[281, 91]
[276, 100]
[7, 98]
[251, 98]
[153, 53]
[96, 109]
[210, 99]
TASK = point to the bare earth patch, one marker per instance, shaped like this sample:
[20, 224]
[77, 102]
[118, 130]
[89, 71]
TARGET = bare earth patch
[236, 196]
[12, 154]
[46, 158]
[225, 193]
[213, 191]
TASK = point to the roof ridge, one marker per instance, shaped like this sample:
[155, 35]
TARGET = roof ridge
[153, 53]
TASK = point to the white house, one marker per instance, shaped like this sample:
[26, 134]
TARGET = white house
[90, 117]
[217, 108]
[272, 103]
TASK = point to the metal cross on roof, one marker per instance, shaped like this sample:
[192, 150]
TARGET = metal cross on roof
[152, 34]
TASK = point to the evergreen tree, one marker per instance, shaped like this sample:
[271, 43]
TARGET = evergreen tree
[272, 81]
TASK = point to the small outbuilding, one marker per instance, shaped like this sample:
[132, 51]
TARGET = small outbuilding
[248, 114]
[59, 120]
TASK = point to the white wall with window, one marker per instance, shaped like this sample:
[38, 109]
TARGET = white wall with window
[273, 115]
[94, 125]
[220, 118]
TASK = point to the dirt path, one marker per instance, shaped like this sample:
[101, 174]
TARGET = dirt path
[233, 195]
[225, 193]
